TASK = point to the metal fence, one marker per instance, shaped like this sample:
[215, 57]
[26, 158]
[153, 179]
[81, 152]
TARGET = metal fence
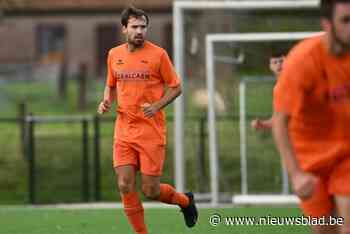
[68, 159]
[84, 121]
[62, 154]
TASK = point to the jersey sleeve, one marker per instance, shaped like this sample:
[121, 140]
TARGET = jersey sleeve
[167, 71]
[111, 80]
[294, 84]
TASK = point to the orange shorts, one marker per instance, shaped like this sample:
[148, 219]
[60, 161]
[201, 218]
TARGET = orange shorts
[147, 157]
[334, 181]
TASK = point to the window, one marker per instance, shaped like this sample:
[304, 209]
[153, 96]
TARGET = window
[50, 43]
[106, 38]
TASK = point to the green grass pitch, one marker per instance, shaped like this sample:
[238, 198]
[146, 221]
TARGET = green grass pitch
[21, 220]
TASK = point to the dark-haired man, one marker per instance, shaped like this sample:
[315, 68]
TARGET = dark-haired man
[311, 121]
[143, 80]
[275, 65]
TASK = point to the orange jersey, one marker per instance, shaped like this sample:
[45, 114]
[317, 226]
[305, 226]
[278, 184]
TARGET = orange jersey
[140, 77]
[314, 89]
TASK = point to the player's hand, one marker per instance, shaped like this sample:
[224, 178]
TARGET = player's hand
[257, 124]
[304, 184]
[149, 110]
[104, 107]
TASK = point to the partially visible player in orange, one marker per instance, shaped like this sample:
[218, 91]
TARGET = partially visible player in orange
[276, 64]
[311, 120]
[143, 81]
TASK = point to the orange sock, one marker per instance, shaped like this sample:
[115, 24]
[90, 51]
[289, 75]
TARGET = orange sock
[134, 211]
[169, 195]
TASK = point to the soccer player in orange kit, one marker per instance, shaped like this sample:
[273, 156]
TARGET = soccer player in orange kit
[276, 64]
[143, 81]
[311, 121]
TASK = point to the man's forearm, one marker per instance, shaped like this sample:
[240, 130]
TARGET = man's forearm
[267, 123]
[169, 97]
[281, 136]
[109, 94]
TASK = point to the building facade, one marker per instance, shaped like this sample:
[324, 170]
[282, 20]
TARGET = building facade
[73, 32]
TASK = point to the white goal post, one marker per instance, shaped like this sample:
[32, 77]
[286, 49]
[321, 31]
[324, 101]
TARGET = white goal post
[210, 71]
[179, 7]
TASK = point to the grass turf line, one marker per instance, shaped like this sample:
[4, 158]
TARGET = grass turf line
[160, 221]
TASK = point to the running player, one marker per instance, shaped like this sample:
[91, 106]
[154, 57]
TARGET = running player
[276, 63]
[143, 81]
[311, 120]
